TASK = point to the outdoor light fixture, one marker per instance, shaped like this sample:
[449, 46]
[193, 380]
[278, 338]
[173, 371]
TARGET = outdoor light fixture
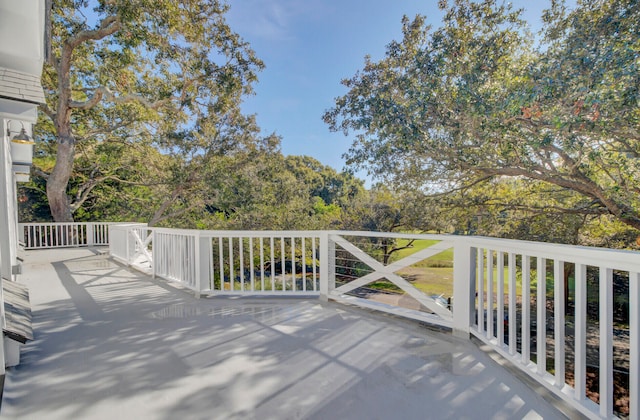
[21, 153]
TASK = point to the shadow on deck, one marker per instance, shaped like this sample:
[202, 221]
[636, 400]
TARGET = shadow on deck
[114, 343]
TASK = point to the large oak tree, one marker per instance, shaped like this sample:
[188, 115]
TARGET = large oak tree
[129, 70]
[479, 98]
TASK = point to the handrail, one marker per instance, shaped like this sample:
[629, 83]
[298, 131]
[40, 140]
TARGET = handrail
[64, 235]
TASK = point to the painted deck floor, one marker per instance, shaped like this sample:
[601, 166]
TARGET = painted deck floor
[111, 343]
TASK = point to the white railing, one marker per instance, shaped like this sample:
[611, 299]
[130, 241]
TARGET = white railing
[131, 244]
[506, 323]
[217, 263]
[63, 235]
[176, 258]
[356, 261]
[492, 284]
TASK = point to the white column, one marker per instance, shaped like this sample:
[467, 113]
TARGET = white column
[90, 234]
[8, 220]
[203, 262]
[464, 283]
[3, 252]
[327, 265]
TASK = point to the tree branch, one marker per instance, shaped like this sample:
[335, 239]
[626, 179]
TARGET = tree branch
[578, 183]
[109, 26]
[83, 193]
[464, 187]
[48, 111]
[105, 93]
[39, 172]
[400, 248]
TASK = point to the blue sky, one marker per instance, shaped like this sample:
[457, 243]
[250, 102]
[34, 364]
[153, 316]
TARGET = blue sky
[308, 47]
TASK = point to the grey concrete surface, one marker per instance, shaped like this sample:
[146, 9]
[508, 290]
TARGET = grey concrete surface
[111, 343]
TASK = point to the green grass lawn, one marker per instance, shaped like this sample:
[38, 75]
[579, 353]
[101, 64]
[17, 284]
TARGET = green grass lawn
[444, 258]
[434, 275]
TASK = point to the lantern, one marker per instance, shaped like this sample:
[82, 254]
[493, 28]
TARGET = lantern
[21, 154]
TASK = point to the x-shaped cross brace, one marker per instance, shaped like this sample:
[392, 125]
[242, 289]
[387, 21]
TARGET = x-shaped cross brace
[142, 245]
[388, 272]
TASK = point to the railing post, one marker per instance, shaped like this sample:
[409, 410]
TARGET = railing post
[202, 260]
[198, 264]
[605, 314]
[21, 235]
[327, 266]
[105, 233]
[464, 274]
[111, 248]
[89, 233]
[155, 253]
[127, 232]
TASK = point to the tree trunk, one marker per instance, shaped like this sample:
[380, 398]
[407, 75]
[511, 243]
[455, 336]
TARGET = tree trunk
[59, 202]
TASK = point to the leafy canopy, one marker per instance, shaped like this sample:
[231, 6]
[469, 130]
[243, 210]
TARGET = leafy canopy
[479, 98]
[167, 73]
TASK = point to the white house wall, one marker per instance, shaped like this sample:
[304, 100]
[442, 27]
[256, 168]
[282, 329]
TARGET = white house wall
[18, 111]
[15, 116]
[8, 220]
[22, 35]
[22, 28]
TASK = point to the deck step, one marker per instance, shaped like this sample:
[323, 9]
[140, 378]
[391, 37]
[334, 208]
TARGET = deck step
[17, 309]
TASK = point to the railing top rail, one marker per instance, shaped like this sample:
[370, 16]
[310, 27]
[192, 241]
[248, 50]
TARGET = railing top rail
[619, 259]
[395, 235]
[615, 258]
[26, 224]
[123, 225]
[242, 233]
